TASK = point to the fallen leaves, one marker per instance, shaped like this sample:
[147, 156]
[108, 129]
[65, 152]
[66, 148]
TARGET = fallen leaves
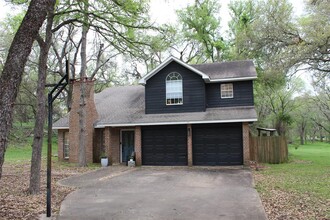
[282, 204]
[16, 203]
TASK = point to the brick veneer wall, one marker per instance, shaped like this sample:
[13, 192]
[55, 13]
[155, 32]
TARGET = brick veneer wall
[107, 144]
[138, 146]
[60, 144]
[98, 145]
[189, 145]
[246, 142]
[114, 147]
[112, 143]
[74, 121]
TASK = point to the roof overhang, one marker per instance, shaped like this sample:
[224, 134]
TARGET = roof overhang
[234, 79]
[164, 123]
[174, 123]
[144, 79]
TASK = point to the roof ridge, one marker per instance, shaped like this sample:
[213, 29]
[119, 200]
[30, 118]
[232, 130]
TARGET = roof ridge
[215, 63]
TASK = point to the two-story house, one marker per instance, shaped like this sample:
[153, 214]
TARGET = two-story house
[180, 114]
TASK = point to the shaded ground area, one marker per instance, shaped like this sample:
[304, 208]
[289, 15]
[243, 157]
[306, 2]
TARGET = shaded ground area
[299, 189]
[167, 193]
[16, 203]
[282, 203]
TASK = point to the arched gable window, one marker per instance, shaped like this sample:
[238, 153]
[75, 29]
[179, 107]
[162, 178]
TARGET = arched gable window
[174, 93]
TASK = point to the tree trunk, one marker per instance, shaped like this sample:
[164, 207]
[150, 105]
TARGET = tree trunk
[11, 76]
[41, 106]
[321, 134]
[279, 125]
[302, 138]
[82, 109]
[302, 133]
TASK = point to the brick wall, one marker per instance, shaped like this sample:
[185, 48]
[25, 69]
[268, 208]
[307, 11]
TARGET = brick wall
[138, 145]
[246, 142]
[98, 146]
[60, 144]
[115, 145]
[107, 144]
[112, 143]
[74, 121]
[189, 145]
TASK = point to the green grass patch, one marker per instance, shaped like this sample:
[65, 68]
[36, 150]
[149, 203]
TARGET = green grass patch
[18, 153]
[308, 171]
[22, 153]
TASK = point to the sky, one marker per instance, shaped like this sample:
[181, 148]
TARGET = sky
[163, 11]
[6, 8]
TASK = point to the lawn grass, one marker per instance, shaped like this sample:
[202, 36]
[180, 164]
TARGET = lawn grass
[308, 170]
[305, 177]
[21, 153]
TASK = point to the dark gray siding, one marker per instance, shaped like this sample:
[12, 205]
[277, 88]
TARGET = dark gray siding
[193, 91]
[243, 95]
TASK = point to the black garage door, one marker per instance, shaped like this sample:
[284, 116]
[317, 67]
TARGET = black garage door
[217, 144]
[164, 145]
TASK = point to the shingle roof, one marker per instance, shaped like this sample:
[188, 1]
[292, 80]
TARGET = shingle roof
[170, 59]
[228, 70]
[212, 72]
[124, 106]
[62, 123]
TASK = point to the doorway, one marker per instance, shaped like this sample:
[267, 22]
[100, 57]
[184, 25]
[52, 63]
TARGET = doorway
[127, 144]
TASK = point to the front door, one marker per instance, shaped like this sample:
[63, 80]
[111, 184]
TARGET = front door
[127, 144]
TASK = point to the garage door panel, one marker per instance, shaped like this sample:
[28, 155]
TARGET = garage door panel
[217, 144]
[164, 145]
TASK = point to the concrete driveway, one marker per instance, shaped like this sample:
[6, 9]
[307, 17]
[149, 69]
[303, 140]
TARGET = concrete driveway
[166, 193]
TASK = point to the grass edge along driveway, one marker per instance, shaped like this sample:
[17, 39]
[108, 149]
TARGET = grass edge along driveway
[299, 189]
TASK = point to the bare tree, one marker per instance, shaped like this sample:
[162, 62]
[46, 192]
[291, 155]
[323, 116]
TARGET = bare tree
[11, 76]
[41, 104]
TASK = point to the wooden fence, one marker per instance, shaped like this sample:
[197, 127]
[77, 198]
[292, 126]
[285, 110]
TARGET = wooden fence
[269, 149]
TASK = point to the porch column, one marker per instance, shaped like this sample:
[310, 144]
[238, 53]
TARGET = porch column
[107, 144]
[189, 143]
[138, 145]
[246, 143]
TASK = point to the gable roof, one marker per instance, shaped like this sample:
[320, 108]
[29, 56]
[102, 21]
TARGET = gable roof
[125, 106]
[144, 79]
[212, 72]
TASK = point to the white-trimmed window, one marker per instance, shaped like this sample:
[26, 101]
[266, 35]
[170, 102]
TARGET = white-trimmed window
[66, 146]
[174, 94]
[227, 91]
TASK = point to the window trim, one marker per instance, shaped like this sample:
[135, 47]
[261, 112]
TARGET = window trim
[166, 80]
[226, 89]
